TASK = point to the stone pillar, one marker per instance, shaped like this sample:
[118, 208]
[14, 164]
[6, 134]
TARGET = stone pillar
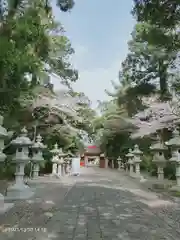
[137, 168]
[37, 155]
[36, 170]
[59, 169]
[112, 164]
[69, 160]
[68, 168]
[106, 162]
[65, 166]
[119, 163]
[102, 161]
[54, 168]
[178, 175]
[131, 169]
[19, 190]
[86, 161]
[126, 166]
[63, 169]
[62, 155]
[55, 160]
[3, 135]
[160, 172]
[174, 143]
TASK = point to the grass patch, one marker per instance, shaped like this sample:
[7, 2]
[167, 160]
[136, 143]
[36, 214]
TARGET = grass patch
[176, 194]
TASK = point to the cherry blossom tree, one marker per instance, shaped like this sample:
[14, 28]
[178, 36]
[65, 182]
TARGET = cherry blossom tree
[58, 111]
[157, 116]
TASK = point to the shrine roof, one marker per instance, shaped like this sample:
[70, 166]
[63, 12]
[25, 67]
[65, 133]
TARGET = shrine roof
[92, 150]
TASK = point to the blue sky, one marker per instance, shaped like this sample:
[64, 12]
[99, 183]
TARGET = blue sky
[99, 31]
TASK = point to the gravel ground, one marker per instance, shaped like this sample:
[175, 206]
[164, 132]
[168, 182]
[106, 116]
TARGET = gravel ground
[99, 204]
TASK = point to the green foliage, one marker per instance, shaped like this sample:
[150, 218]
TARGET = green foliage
[146, 163]
[33, 45]
[155, 43]
[26, 44]
[150, 68]
[163, 13]
[175, 193]
[7, 169]
[170, 171]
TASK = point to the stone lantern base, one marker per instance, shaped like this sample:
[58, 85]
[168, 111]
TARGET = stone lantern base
[19, 191]
[175, 188]
[4, 207]
[137, 176]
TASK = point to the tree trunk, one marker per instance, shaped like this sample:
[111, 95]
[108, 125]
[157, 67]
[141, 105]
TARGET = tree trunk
[163, 81]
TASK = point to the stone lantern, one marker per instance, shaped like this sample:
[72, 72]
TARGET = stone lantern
[3, 135]
[130, 157]
[65, 164]
[19, 190]
[174, 143]
[37, 155]
[69, 155]
[55, 159]
[119, 162]
[69, 161]
[137, 160]
[61, 170]
[158, 150]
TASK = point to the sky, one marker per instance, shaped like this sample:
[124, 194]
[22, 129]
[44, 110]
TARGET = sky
[99, 31]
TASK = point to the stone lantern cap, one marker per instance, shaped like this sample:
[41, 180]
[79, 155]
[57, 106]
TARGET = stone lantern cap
[175, 141]
[61, 160]
[3, 131]
[160, 160]
[158, 147]
[66, 160]
[69, 154]
[175, 158]
[68, 157]
[38, 144]
[23, 140]
[137, 151]
[130, 154]
[119, 159]
[61, 153]
[55, 150]
[55, 159]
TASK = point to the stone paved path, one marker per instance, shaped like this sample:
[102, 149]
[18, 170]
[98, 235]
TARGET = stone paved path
[100, 204]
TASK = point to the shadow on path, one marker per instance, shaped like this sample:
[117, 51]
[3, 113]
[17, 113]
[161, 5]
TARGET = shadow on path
[101, 205]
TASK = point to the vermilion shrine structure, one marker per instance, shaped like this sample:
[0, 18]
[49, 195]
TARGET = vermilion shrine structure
[91, 153]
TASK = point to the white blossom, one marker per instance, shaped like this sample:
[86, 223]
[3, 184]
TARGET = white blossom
[156, 117]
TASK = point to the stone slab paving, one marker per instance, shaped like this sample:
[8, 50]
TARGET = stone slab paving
[28, 217]
[101, 205]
